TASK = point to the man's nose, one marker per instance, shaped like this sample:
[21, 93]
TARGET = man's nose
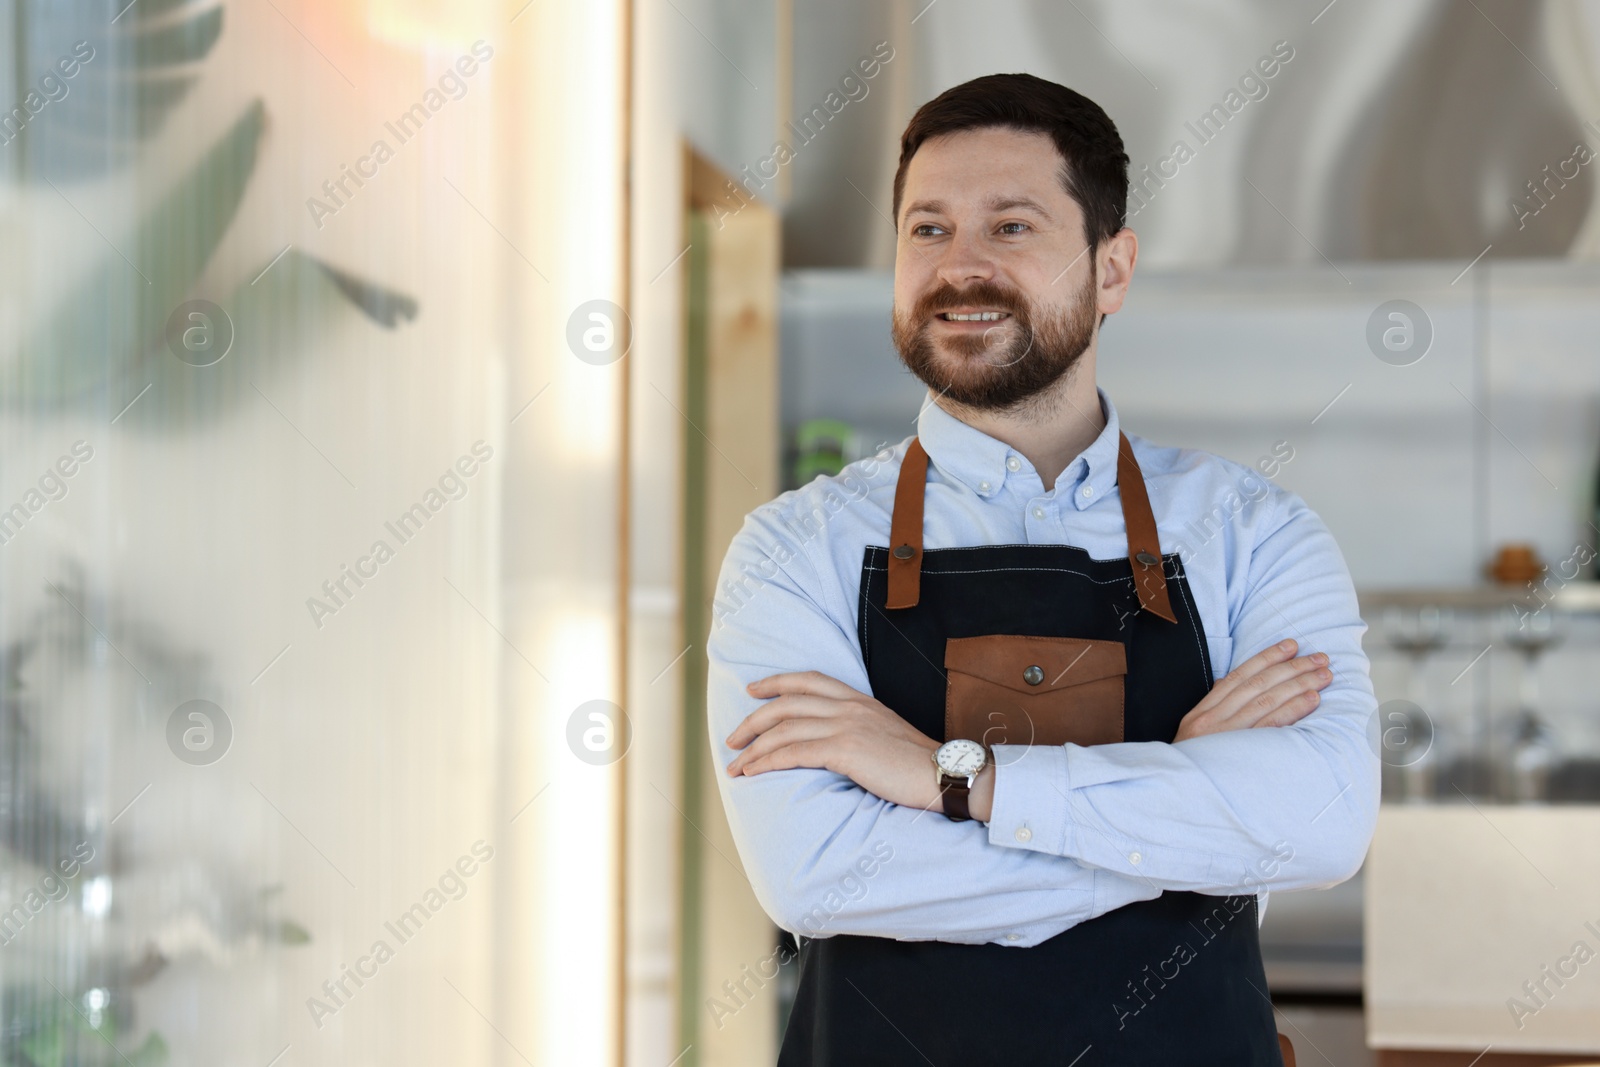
[966, 259]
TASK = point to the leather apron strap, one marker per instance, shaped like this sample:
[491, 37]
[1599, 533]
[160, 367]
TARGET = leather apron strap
[1144, 543]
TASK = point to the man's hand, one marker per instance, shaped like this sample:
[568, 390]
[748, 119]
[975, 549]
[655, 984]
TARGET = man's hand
[1268, 689]
[813, 720]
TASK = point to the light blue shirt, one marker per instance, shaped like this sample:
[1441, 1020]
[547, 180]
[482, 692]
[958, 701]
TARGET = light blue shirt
[1074, 832]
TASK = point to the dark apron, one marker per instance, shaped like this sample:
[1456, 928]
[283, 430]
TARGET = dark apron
[1172, 981]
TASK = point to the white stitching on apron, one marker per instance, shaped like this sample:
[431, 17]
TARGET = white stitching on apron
[1205, 656]
[866, 599]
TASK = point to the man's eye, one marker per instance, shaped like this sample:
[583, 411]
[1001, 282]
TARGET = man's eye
[925, 229]
[1007, 227]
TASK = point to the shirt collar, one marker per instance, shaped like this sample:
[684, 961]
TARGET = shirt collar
[980, 462]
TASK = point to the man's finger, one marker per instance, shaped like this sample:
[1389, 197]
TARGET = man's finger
[1257, 663]
[1303, 672]
[1286, 697]
[815, 754]
[1258, 674]
[1245, 674]
[813, 682]
[778, 710]
[1293, 711]
[785, 733]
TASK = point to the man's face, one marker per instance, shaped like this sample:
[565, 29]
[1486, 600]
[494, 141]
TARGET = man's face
[994, 287]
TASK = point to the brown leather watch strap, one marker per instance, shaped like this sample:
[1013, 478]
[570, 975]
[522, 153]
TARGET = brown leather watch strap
[905, 529]
[956, 796]
[1144, 543]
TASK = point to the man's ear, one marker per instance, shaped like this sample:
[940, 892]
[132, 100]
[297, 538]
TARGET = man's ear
[1114, 261]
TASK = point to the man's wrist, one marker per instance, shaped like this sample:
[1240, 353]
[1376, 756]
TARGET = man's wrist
[980, 801]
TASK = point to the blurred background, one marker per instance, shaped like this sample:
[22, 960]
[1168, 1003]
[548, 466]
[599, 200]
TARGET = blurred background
[381, 383]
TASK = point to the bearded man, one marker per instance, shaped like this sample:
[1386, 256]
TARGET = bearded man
[1016, 776]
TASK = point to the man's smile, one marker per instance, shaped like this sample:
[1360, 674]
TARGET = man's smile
[969, 318]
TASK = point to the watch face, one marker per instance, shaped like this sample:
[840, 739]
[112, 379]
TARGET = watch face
[961, 757]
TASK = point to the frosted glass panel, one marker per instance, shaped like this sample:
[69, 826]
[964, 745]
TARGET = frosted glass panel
[290, 645]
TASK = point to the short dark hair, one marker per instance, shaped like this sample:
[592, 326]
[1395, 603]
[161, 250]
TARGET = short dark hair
[1094, 169]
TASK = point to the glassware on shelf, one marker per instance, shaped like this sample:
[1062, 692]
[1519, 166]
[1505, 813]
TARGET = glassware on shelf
[1532, 757]
[1534, 748]
[1417, 633]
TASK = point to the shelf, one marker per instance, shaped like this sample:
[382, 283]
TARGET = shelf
[1577, 597]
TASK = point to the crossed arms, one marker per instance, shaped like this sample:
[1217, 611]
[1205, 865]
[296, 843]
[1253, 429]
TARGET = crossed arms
[1073, 832]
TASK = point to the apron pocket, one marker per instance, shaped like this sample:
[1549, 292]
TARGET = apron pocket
[1010, 689]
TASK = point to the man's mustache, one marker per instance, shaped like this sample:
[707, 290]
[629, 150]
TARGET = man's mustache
[947, 299]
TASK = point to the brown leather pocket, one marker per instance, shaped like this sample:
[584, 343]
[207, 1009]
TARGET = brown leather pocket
[1008, 689]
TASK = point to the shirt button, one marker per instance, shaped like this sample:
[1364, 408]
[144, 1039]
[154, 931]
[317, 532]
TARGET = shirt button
[1038, 513]
[1088, 490]
[1013, 937]
[1024, 834]
[1134, 858]
[1013, 463]
[983, 487]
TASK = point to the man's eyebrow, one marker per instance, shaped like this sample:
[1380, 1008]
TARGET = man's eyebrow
[995, 203]
[931, 207]
[1006, 203]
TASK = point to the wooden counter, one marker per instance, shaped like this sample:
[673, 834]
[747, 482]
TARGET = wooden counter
[1482, 932]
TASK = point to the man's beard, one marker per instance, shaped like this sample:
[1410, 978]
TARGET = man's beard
[1002, 368]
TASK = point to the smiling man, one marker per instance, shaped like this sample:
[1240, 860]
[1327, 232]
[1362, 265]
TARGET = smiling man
[1016, 775]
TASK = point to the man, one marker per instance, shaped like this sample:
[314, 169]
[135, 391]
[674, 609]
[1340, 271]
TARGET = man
[966, 693]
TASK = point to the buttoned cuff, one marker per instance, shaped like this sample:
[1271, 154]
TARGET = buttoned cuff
[1030, 799]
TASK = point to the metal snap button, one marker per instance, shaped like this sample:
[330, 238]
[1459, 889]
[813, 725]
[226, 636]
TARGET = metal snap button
[1033, 675]
[1146, 558]
[904, 552]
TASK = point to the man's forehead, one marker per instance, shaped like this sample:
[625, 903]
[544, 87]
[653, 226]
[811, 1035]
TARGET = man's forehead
[993, 169]
[995, 202]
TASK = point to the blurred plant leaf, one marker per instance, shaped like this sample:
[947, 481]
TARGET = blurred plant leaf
[143, 65]
[120, 309]
[281, 316]
[153, 1053]
[50, 1032]
[386, 307]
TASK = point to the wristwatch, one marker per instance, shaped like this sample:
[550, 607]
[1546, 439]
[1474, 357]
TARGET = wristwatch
[956, 765]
